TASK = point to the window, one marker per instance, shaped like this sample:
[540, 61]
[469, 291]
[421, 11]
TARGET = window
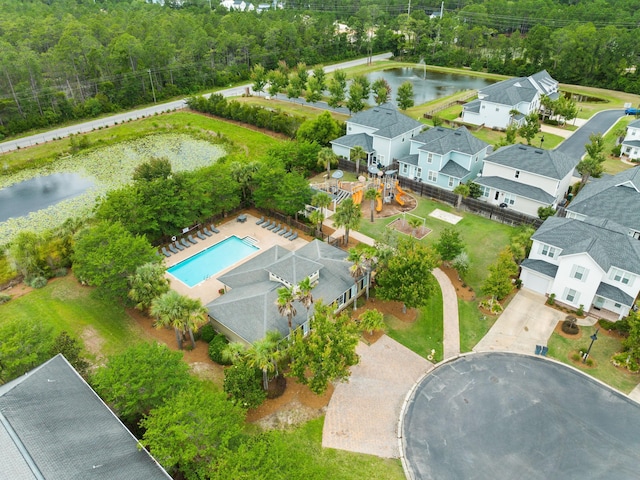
[579, 273]
[419, 172]
[485, 191]
[509, 198]
[548, 251]
[621, 276]
[571, 295]
[617, 305]
[405, 168]
[430, 158]
[517, 173]
[433, 176]
[451, 181]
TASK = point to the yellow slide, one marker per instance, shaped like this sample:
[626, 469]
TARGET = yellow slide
[379, 201]
[400, 194]
[357, 197]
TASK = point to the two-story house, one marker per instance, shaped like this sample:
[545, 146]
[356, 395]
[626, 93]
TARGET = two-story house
[248, 310]
[525, 178]
[444, 157]
[615, 197]
[496, 104]
[631, 143]
[593, 263]
[382, 131]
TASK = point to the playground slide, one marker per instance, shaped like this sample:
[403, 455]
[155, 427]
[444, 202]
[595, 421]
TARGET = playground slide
[357, 197]
[399, 195]
[379, 201]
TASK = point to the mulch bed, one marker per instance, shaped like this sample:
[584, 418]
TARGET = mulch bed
[402, 226]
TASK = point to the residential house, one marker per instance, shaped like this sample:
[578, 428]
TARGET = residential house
[615, 197]
[631, 143]
[238, 5]
[444, 157]
[248, 310]
[525, 178]
[496, 103]
[592, 263]
[54, 426]
[382, 131]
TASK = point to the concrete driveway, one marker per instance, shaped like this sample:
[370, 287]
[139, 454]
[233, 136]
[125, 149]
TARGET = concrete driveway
[525, 323]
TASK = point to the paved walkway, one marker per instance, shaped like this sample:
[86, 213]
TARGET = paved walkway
[363, 413]
[451, 336]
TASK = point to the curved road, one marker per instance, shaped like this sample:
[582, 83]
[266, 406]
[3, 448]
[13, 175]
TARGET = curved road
[148, 111]
[601, 122]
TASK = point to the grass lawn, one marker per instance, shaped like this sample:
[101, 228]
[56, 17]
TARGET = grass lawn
[291, 107]
[305, 443]
[67, 306]
[473, 324]
[603, 349]
[483, 238]
[613, 164]
[425, 333]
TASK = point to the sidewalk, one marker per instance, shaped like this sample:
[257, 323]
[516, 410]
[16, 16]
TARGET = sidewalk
[450, 320]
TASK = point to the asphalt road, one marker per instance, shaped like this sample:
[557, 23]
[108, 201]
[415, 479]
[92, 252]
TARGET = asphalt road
[601, 122]
[148, 111]
[505, 416]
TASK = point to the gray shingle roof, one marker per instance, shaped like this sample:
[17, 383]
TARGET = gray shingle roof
[294, 268]
[249, 309]
[614, 293]
[386, 119]
[442, 140]
[631, 143]
[60, 425]
[454, 169]
[510, 92]
[540, 266]
[356, 140]
[614, 197]
[548, 163]
[472, 106]
[605, 241]
[410, 159]
[634, 124]
[520, 189]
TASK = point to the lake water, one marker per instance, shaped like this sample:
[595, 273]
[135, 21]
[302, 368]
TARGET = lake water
[37, 193]
[427, 85]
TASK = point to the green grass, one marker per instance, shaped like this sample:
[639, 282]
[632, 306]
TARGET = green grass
[483, 238]
[65, 305]
[426, 333]
[603, 349]
[311, 113]
[473, 324]
[613, 164]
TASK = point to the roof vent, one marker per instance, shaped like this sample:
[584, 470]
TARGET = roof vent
[539, 152]
[457, 133]
[521, 147]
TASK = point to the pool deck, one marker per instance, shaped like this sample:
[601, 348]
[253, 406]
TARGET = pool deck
[264, 239]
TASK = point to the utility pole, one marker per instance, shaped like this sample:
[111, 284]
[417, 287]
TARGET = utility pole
[152, 89]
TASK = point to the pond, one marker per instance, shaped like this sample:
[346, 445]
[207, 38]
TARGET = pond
[40, 192]
[428, 85]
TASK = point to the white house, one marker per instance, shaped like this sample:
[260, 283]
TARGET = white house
[615, 197]
[631, 143]
[444, 157]
[238, 5]
[494, 106]
[525, 178]
[593, 263]
[382, 131]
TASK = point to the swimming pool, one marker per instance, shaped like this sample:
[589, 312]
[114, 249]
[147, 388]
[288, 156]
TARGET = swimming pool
[214, 259]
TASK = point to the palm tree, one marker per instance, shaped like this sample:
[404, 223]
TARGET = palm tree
[233, 352]
[147, 283]
[317, 217]
[357, 270]
[357, 154]
[303, 294]
[326, 158]
[321, 200]
[372, 195]
[462, 190]
[264, 354]
[348, 215]
[182, 313]
[285, 305]
[415, 223]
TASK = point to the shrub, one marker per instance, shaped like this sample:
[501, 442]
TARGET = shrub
[243, 384]
[4, 298]
[617, 150]
[36, 282]
[551, 300]
[207, 333]
[569, 326]
[580, 310]
[216, 346]
[625, 360]
[60, 272]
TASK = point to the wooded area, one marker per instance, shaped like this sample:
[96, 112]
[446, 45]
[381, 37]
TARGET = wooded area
[66, 59]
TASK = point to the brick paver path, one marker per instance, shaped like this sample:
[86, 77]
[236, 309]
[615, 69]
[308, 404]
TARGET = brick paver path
[363, 414]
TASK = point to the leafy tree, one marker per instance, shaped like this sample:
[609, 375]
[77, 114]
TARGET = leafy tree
[530, 128]
[336, 94]
[321, 130]
[357, 154]
[313, 93]
[71, 349]
[285, 303]
[182, 313]
[566, 108]
[405, 95]
[407, 276]
[24, 344]
[243, 385]
[294, 90]
[363, 82]
[320, 78]
[190, 432]
[259, 78]
[372, 194]
[147, 283]
[449, 244]
[462, 190]
[155, 168]
[143, 377]
[521, 242]
[474, 190]
[327, 352]
[242, 172]
[498, 284]
[293, 194]
[355, 103]
[371, 320]
[326, 159]
[278, 81]
[591, 164]
[546, 212]
[381, 91]
[106, 254]
[348, 215]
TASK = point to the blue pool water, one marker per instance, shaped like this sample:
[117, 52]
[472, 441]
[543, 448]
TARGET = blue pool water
[211, 261]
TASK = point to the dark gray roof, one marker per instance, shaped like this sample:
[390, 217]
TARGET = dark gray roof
[545, 82]
[634, 124]
[410, 159]
[510, 92]
[294, 268]
[249, 309]
[605, 241]
[631, 143]
[442, 140]
[614, 293]
[548, 163]
[356, 140]
[472, 106]
[386, 119]
[454, 169]
[540, 266]
[614, 197]
[54, 426]
[520, 189]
